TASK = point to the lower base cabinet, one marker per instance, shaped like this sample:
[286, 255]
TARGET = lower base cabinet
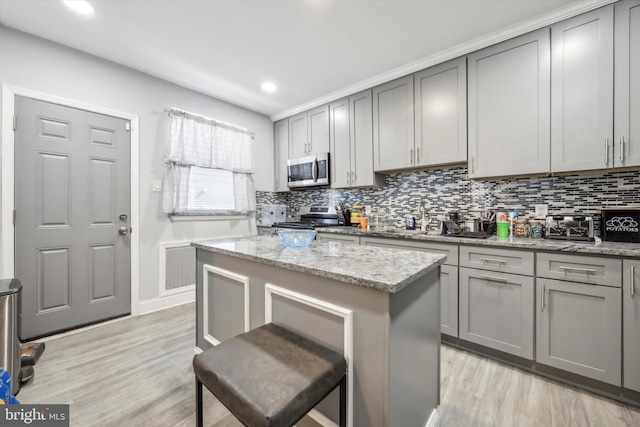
[579, 329]
[631, 323]
[449, 300]
[496, 310]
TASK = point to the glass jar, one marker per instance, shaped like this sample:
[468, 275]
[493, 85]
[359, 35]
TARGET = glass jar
[537, 230]
[521, 228]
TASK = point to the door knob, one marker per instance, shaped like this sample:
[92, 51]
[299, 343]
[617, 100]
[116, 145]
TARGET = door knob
[123, 231]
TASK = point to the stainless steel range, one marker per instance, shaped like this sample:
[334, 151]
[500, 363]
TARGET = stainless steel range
[312, 217]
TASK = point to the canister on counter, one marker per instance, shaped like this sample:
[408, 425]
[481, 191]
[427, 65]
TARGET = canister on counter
[537, 230]
[521, 228]
[513, 217]
[356, 213]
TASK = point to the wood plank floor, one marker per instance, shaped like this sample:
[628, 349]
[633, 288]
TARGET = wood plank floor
[137, 372]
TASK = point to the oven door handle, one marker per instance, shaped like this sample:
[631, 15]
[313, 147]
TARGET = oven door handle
[314, 169]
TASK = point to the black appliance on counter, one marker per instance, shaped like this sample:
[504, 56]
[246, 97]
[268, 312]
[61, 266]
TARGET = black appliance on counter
[569, 227]
[475, 229]
[312, 217]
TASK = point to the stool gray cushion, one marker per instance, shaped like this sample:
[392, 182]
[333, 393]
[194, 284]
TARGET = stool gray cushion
[269, 376]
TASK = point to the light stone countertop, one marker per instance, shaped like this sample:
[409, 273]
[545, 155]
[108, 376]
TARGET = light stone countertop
[382, 269]
[631, 250]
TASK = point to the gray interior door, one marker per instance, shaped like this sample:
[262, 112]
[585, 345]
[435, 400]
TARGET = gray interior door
[72, 198]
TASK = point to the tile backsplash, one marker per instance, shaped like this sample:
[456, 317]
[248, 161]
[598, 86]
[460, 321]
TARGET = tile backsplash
[449, 190]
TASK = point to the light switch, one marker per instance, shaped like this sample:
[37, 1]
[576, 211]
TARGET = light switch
[157, 185]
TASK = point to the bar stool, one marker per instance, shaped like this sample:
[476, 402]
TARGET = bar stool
[270, 376]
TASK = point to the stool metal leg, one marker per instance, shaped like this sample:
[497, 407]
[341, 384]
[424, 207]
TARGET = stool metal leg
[199, 417]
[343, 402]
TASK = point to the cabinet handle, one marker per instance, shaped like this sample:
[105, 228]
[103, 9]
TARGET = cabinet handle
[631, 284]
[472, 164]
[622, 149]
[606, 151]
[581, 270]
[542, 297]
[310, 146]
[494, 261]
[417, 155]
[354, 177]
[494, 278]
[348, 178]
[411, 155]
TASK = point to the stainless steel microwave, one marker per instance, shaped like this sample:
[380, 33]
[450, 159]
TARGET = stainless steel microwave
[308, 171]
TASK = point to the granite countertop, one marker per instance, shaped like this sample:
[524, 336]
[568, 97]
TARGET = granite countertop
[382, 269]
[594, 248]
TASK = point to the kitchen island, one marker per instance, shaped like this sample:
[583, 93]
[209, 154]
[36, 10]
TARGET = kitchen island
[378, 306]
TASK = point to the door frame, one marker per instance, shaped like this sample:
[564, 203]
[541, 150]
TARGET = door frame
[7, 154]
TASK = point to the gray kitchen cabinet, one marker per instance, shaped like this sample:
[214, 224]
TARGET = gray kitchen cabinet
[496, 310]
[281, 143]
[579, 329]
[351, 138]
[448, 276]
[441, 114]
[579, 268]
[393, 125]
[582, 92]
[631, 323]
[495, 259]
[627, 84]
[509, 107]
[309, 132]
[340, 238]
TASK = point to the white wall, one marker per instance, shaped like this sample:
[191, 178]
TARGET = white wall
[36, 64]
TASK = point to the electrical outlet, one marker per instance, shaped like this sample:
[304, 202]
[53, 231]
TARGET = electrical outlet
[541, 211]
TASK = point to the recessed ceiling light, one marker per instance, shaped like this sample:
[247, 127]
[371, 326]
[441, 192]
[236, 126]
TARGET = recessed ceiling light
[80, 6]
[269, 87]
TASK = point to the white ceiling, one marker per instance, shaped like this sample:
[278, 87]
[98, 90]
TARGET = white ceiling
[309, 48]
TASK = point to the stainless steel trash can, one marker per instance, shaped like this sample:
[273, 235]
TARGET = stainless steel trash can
[10, 308]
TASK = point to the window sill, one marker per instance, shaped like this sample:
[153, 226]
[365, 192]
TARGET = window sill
[224, 217]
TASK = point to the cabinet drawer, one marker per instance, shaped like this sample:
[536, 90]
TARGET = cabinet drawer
[334, 237]
[580, 268]
[508, 261]
[450, 250]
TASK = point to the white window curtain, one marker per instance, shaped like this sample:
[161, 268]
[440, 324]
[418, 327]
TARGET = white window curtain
[209, 168]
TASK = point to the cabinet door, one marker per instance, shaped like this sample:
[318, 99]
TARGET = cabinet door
[318, 130]
[361, 133]
[509, 107]
[441, 114]
[281, 142]
[627, 84]
[393, 138]
[449, 300]
[579, 329]
[631, 323]
[340, 157]
[582, 94]
[496, 310]
[298, 142]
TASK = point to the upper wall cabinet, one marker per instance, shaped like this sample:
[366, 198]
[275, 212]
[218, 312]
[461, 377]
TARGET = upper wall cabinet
[281, 142]
[351, 137]
[582, 92]
[441, 114]
[309, 132]
[627, 84]
[393, 139]
[509, 107]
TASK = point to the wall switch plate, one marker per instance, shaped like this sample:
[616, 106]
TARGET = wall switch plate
[541, 211]
[157, 185]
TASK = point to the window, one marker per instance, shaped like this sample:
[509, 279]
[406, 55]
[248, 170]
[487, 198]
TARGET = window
[209, 169]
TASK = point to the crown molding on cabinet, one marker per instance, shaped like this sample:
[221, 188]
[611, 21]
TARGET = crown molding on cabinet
[573, 9]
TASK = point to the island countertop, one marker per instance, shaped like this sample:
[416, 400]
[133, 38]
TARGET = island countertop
[382, 269]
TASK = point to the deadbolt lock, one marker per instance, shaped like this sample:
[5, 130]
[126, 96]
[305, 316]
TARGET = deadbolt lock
[123, 217]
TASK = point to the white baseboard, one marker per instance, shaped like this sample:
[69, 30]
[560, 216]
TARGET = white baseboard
[155, 304]
[197, 350]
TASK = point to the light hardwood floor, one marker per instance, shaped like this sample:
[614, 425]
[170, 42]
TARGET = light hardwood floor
[137, 372]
